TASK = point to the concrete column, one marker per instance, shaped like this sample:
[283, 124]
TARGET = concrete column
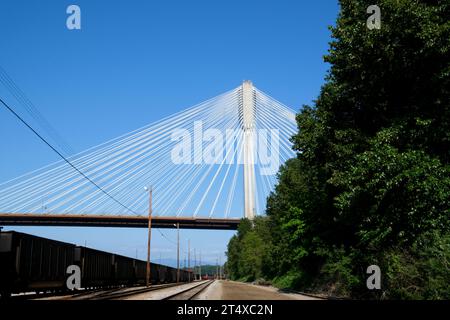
[249, 145]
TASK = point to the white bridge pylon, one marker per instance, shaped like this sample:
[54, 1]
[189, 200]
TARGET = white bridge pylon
[248, 124]
[216, 159]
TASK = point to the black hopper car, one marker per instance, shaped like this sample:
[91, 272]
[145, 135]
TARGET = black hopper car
[33, 264]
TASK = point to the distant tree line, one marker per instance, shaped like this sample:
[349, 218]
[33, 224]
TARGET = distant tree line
[207, 269]
[371, 180]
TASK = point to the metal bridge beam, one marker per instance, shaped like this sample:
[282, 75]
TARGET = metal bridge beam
[72, 220]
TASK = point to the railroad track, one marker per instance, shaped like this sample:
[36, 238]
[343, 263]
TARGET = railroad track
[63, 295]
[97, 294]
[123, 292]
[129, 292]
[189, 293]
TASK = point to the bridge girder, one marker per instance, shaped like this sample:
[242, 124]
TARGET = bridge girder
[78, 220]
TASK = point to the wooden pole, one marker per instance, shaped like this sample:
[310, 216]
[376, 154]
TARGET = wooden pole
[149, 236]
[178, 252]
[189, 260]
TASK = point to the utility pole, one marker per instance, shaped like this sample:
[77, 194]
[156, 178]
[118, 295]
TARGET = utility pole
[220, 268]
[149, 235]
[217, 269]
[189, 260]
[195, 263]
[200, 265]
[178, 252]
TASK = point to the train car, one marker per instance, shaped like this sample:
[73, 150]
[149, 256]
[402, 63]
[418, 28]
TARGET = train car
[124, 271]
[172, 274]
[141, 272]
[184, 276]
[140, 268]
[154, 273]
[31, 263]
[207, 277]
[162, 274]
[97, 267]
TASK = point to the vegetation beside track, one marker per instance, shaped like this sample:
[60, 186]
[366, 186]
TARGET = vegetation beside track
[371, 182]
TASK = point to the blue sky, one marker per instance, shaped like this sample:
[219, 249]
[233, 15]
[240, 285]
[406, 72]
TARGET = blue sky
[134, 62]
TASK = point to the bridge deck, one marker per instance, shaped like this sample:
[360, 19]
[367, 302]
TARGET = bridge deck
[28, 219]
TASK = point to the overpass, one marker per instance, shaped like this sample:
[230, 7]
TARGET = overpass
[87, 220]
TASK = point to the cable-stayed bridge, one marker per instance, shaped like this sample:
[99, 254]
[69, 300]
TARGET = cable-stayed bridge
[208, 166]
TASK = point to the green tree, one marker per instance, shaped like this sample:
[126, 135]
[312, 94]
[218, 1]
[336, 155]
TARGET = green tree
[371, 180]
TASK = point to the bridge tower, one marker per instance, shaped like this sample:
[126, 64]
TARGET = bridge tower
[247, 113]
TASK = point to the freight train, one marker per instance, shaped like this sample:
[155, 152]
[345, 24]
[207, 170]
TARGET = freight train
[33, 264]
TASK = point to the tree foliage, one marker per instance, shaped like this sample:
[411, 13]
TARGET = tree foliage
[371, 181]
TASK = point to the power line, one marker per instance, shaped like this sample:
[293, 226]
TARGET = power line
[34, 112]
[72, 165]
[170, 240]
[63, 157]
